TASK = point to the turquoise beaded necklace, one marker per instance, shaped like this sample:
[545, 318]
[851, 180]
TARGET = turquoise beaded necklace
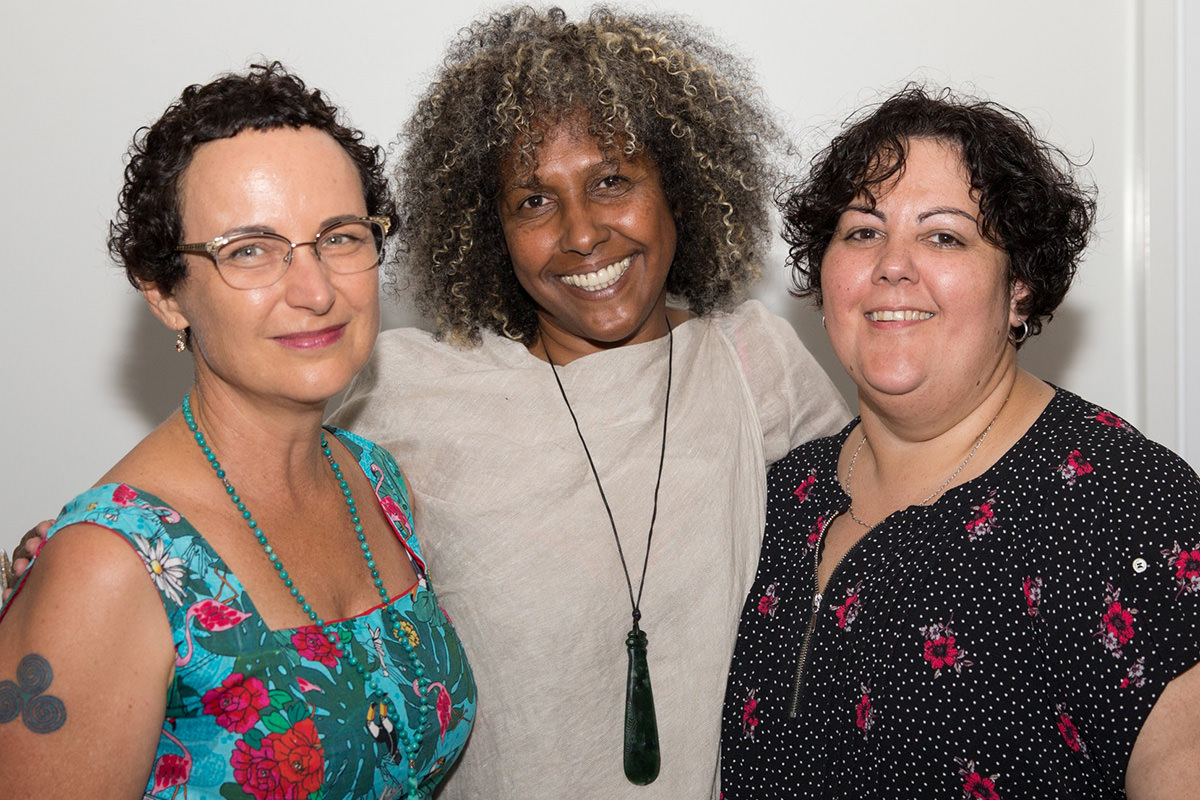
[412, 744]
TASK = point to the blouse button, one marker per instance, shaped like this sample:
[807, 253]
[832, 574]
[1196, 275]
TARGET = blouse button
[1140, 565]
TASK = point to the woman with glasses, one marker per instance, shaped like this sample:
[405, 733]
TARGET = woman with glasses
[261, 625]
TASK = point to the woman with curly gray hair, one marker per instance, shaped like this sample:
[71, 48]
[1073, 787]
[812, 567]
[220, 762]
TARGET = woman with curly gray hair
[586, 457]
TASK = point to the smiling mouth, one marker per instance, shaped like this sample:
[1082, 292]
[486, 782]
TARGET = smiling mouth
[907, 315]
[601, 278]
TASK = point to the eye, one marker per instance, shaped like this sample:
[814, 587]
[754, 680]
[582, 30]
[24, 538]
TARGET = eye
[532, 202]
[943, 239]
[863, 235]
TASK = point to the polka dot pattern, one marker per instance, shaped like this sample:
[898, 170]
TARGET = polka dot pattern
[1007, 641]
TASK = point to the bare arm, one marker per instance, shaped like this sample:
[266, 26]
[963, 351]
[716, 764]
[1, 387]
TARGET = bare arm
[1165, 762]
[85, 657]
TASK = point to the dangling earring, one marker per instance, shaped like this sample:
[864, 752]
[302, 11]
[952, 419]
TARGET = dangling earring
[181, 340]
[1024, 333]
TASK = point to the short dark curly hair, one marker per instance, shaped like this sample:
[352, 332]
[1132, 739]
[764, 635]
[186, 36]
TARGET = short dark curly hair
[1031, 203]
[148, 226]
[656, 86]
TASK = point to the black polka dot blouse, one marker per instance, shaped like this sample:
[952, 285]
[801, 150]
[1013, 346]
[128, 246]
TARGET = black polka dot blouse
[1007, 641]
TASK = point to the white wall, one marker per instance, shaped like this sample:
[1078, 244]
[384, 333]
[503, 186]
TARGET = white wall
[87, 372]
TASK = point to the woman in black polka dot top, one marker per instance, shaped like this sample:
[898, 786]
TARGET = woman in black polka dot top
[984, 587]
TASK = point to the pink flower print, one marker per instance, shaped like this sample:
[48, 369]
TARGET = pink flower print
[256, 770]
[1067, 728]
[805, 488]
[750, 715]
[1111, 420]
[1135, 678]
[1032, 587]
[847, 612]
[312, 643]
[977, 786]
[124, 495]
[1187, 567]
[237, 703]
[814, 534]
[1116, 624]
[864, 712]
[1073, 467]
[984, 521]
[941, 649]
[768, 602]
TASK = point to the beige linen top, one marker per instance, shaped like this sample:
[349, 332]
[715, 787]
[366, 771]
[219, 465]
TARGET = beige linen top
[521, 553]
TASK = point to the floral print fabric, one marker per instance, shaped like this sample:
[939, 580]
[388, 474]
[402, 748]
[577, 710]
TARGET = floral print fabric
[260, 714]
[1006, 642]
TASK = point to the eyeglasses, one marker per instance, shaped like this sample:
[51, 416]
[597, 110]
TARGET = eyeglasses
[256, 260]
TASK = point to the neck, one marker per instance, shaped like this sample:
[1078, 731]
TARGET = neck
[556, 344]
[276, 445]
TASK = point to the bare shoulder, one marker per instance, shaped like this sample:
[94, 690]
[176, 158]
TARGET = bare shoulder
[1165, 762]
[84, 645]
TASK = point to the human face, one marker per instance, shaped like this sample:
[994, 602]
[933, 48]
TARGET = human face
[591, 238]
[917, 303]
[303, 337]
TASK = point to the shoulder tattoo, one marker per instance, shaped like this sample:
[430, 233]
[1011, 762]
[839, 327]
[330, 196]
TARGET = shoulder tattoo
[27, 698]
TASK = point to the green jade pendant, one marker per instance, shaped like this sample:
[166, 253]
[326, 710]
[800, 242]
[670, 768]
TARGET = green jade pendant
[641, 726]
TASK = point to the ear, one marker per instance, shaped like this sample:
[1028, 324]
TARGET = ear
[1019, 292]
[164, 306]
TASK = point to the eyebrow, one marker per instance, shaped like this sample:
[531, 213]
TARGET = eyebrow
[326, 223]
[924, 215]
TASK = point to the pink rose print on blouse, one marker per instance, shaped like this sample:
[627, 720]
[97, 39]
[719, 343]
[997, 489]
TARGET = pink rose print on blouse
[750, 715]
[1067, 728]
[1135, 678]
[864, 712]
[814, 534]
[1032, 587]
[1116, 625]
[941, 649]
[237, 703]
[1111, 420]
[312, 643]
[847, 612]
[1187, 567]
[805, 488]
[1074, 467]
[768, 602]
[975, 785]
[984, 521]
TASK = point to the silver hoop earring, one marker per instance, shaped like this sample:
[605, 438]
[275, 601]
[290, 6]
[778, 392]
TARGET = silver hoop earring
[1024, 333]
[823, 322]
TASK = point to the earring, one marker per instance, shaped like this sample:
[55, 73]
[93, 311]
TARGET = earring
[1024, 333]
[181, 340]
[823, 322]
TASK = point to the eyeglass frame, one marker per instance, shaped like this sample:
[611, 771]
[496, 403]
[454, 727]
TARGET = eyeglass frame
[213, 246]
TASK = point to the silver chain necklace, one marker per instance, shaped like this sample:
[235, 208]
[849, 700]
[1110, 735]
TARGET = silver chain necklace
[937, 491]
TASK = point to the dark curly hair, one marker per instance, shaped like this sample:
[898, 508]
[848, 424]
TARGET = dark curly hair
[147, 228]
[653, 86]
[1031, 204]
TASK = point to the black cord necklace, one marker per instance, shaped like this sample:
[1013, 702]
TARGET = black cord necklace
[642, 757]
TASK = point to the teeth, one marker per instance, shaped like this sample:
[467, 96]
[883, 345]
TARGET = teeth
[601, 278]
[898, 316]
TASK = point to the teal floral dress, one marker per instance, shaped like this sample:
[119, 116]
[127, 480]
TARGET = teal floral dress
[259, 714]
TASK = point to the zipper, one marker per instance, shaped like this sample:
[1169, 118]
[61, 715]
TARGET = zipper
[818, 599]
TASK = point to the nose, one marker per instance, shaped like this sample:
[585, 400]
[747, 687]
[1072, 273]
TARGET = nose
[308, 283]
[895, 262]
[583, 226]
